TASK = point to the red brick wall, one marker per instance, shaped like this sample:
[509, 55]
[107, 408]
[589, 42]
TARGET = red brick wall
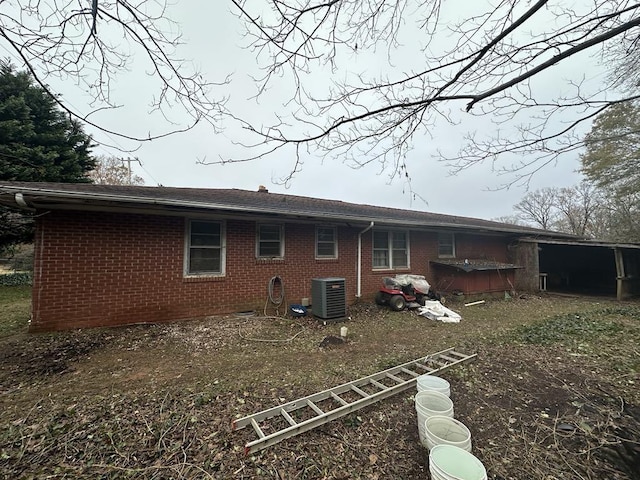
[476, 247]
[490, 248]
[101, 269]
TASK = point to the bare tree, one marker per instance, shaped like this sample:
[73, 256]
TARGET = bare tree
[618, 219]
[481, 61]
[585, 210]
[112, 171]
[539, 207]
[578, 207]
[510, 219]
[486, 61]
[92, 42]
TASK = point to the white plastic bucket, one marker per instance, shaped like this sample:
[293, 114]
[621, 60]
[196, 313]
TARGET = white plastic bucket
[437, 384]
[447, 462]
[428, 404]
[440, 430]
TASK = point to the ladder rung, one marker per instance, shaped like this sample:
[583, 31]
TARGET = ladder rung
[410, 372]
[381, 386]
[449, 359]
[287, 417]
[314, 407]
[393, 377]
[422, 366]
[338, 398]
[458, 354]
[361, 392]
[257, 428]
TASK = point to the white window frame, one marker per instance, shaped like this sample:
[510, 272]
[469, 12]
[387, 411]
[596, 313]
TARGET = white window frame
[281, 240]
[452, 236]
[188, 247]
[334, 242]
[390, 234]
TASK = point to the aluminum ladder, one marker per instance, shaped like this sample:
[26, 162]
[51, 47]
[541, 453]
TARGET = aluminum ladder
[293, 418]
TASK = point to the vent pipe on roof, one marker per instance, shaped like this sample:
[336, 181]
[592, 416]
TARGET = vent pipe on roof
[359, 266]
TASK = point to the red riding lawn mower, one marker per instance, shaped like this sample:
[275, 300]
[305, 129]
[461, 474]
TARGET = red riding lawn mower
[404, 291]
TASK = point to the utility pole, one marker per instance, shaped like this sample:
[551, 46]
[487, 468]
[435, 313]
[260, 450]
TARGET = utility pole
[129, 160]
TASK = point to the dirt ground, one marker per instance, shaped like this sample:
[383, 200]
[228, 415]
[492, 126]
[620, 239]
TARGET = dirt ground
[552, 394]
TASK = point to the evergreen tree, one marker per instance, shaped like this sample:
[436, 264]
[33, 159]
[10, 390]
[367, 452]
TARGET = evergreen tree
[38, 142]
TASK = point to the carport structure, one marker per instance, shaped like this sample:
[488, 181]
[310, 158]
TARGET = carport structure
[579, 266]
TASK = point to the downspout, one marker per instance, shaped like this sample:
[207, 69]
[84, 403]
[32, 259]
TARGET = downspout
[35, 302]
[20, 201]
[359, 275]
[35, 309]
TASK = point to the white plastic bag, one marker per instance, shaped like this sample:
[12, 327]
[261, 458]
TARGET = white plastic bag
[434, 310]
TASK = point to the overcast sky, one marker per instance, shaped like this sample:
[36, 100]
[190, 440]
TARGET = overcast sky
[213, 40]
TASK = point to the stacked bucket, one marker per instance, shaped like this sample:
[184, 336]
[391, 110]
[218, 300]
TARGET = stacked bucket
[447, 439]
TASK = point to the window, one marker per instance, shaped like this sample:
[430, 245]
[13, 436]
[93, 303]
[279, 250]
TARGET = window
[326, 242]
[270, 241]
[446, 245]
[390, 249]
[205, 252]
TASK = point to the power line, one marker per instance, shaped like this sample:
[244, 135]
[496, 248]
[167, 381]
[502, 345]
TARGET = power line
[129, 160]
[147, 172]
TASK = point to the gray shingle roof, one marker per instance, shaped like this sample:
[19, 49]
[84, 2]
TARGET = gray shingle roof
[244, 201]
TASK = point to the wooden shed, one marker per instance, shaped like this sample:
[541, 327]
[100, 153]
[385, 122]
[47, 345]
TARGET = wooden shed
[471, 276]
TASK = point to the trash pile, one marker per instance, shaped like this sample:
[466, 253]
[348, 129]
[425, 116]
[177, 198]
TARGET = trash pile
[434, 310]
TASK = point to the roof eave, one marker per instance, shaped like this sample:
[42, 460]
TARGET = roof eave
[43, 198]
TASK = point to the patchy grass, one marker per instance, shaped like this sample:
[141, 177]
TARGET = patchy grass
[15, 307]
[157, 401]
[574, 327]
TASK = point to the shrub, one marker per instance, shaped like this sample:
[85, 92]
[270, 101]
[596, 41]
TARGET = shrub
[15, 279]
[22, 258]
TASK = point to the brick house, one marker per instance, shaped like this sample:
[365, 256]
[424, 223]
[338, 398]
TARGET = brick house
[114, 255]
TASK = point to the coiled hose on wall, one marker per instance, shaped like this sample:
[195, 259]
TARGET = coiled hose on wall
[275, 294]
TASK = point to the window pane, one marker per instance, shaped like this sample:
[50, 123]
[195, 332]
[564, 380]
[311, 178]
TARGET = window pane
[400, 259]
[210, 228]
[269, 240]
[326, 242]
[399, 240]
[380, 258]
[446, 244]
[380, 239]
[204, 260]
[269, 249]
[205, 240]
[206, 234]
[269, 232]
[325, 235]
[326, 250]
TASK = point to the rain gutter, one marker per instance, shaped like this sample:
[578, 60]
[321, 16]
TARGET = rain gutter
[21, 192]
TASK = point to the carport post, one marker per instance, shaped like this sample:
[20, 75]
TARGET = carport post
[617, 253]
